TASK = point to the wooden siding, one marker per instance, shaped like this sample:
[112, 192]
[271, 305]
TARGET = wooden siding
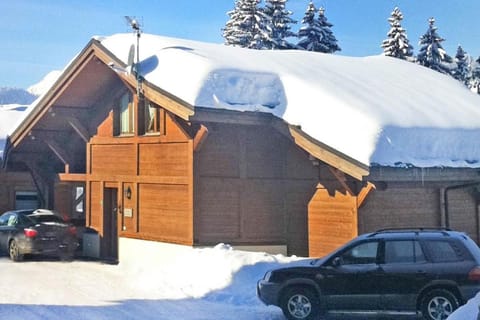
[10, 182]
[219, 210]
[463, 212]
[164, 212]
[332, 221]
[401, 207]
[167, 159]
[157, 169]
[414, 204]
[95, 218]
[114, 159]
[246, 188]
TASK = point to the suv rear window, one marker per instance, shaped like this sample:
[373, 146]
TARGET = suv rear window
[443, 251]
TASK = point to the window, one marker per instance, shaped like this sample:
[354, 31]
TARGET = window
[403, 251]
[153, 118]
[443, 251]
[4, 219]
[125, 108]
[364, 253]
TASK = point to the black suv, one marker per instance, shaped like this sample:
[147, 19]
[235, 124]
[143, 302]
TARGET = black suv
[418, 272]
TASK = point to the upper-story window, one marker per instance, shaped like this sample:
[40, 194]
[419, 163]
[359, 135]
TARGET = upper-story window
[154, 118]
[126, 110]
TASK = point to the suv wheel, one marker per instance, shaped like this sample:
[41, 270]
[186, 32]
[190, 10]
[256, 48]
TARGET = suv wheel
[438, 304]
[299, 303]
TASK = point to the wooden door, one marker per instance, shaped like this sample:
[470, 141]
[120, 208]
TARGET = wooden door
[110, 224]
[332, 221]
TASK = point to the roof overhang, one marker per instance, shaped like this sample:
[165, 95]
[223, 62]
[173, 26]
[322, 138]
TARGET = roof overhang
[315, 148]
[323, 152]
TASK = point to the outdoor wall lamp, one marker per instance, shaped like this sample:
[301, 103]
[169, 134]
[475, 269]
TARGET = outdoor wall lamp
[128, 193]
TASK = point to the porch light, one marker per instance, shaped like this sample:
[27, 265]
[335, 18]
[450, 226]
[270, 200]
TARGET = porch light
[128, 193]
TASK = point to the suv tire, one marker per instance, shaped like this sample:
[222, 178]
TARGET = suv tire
[300, 303]
[438, 304]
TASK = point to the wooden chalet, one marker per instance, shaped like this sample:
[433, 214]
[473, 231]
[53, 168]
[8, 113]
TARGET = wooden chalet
[135, 161]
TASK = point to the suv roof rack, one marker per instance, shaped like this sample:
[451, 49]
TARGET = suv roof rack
[412, 229]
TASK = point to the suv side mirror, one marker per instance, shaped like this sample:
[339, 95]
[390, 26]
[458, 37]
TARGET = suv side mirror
[337, 262]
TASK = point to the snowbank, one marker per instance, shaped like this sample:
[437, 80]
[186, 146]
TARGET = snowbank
[469, 311]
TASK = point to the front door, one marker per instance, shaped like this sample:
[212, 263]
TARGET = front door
[110, 224]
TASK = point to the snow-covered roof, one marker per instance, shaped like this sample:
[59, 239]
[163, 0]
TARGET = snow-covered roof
[9, 115]
[377, 110]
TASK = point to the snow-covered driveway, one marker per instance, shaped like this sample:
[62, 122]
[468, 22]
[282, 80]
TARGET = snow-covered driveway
[216, 283]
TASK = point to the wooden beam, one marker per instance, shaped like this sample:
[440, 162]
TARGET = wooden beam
[203, 115]
[342, 179]
[59, 152]
[39, 179]
[362, 195]
[200, 137]
[79, 128]
[72, 177]
[321, 151]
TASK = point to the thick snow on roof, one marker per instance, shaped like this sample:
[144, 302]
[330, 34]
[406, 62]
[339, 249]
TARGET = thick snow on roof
[10, 114]
[378, 110]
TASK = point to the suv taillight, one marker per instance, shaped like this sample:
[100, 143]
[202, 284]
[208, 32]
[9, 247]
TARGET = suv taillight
[474, 274]
[30, 233]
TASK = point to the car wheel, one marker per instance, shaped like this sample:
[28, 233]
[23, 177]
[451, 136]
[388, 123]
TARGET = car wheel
[438, 304]
[14, 251]
[300, 303]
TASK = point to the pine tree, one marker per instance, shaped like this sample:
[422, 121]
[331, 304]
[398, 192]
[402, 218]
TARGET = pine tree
[431, 53]
[462, 71]
[397, 44]
[231, 31]
[308, 31]
[474, 83]
[278, 24]
[246, 27]
[315, 34]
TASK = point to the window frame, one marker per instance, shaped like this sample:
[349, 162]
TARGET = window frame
[153, 118]
[126, 114]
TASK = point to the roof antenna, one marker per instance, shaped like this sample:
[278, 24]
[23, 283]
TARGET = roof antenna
[136, 27]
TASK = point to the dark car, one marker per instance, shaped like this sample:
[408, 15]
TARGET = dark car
[417, 272]
[36, 232]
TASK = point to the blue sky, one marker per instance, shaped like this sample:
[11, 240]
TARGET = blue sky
[43, 35]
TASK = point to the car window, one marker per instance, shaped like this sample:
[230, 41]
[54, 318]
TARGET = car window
[443, 251]
[12, 220]
[363, 253]
[403, 251]
[4, 219]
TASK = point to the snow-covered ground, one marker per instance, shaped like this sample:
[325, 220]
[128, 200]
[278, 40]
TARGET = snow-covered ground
[210, 283]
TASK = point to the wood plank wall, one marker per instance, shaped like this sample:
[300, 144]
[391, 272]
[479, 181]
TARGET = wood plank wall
[332, 221]
[10, 182]
[414, 204]
[158, 170]
[251, 188]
